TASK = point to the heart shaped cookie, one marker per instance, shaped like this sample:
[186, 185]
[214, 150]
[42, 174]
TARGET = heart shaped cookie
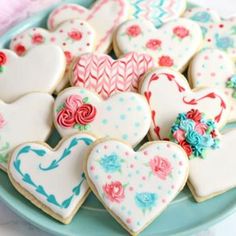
[172, 45]
[219, 34]
[105, 76]
[29, 118]
[36, 170]
[125, 116]
[31, 73]
[204, 72]
[104, 16]
[157, 11]
[136, 187]
[215, 174]
[168, 94]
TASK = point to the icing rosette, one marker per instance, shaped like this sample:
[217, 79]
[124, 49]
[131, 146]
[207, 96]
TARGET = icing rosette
[231, 83]
[194, 133]
[3, 60]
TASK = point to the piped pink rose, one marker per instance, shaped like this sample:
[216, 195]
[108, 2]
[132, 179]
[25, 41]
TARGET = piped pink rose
[114, 191]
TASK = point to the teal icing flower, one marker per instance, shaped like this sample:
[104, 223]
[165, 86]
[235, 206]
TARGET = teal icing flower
[216, 144]
[198, 151]
[174, 128]
[181, 116]
[224, 43]
[111, 163]
[231, 83]
[203, 17]
[145, 200]
[207, 141]
[187, 125]
[211, 124]
[193, 138]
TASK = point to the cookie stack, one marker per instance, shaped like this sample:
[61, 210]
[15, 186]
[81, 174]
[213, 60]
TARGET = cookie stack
[104, 106]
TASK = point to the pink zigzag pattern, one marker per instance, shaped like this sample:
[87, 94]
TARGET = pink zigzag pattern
[105, 76]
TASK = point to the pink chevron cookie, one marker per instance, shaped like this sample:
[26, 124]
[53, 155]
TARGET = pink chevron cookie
[105, 76]
[104, 16]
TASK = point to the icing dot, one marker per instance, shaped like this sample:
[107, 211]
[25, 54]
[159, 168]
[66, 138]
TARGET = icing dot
[117, 147]
[129, 213]
[88, 44]
[139, 108]
[137, 172]
[138, 223]
[163, 200]
[123, 208]
[129, 109]
[105, 147]
[168, 145]
[53, 39]
[136, 124]
[117, 126]
[61, 30]
[131, 165]
[209, 40]
[34, 29]
[140, 185]
[92, 168]
[206, 57]
[121, 99]
[122, 116]
[104, 121]
[97, 151]
[213, 74]
[131, 188]
[125, 136]
[88, 32]
[109, 108]
[64, 44]
[221, 26]
[127, 153]
[81, 23]
[174, 156]
[199, 74]
[159, 187]
[96, 177]
[172, 186]
[180, 163]
[145, 153]
[109, 176]
[143, 178]
[72, 21]
[129, 175]
[80, 49]
[132, 98]
[128, 220]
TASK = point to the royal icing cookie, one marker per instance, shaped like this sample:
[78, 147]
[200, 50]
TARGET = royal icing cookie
[172, 45]
[214, 174]
[53, 180]
[105, 76]
[104, 16]
[135, 187]
[75, 37]
[214, 68]
[219, 34]
[125, 116]
[157, 11]
[31, 73]
[28, 118]
[168, 94]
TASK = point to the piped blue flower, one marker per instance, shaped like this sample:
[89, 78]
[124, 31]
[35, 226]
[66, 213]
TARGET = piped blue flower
[145, 200]
[111, 163]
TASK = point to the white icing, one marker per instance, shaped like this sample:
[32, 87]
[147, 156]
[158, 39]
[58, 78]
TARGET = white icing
[32, 72]
[170, 44]
[59, 181]
[213, 68]
[136, 176]
[167, 101]
[27, 119]
[125, 116]
[215, 173]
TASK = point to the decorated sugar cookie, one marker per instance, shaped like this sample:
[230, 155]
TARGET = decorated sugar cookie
[104, 16]
[214, 68]
[136, 187]
[219, 34]
[105, 76]
[28, 118]
[207, 177]
[75, 37]
[125, 116]
[157, 11]
[172, 45]
[168, 94]
[53, 180]
[31, 73]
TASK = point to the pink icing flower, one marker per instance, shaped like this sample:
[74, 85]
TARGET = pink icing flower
[179, 135]
[153, 44]
[2, 121]
[194, 115]
[37, 38]
[181, 32]
[165, 61]
[75, 35]
[73, 102]
[65, 118]
[3, 58]
[114, 191]
[20, 49]
[201, 128]
[133, 31]
[161, 167]
[85, 114]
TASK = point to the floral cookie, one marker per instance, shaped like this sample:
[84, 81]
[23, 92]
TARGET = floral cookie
[105, 76]
[75, 38]
[219, 34]
[157, 11]
[36, 170]
[168, 94]
[28, 118]
[104, 16]
[125, 116]
[214, 68]
[172, 45]
[136, 187]
[31, 73]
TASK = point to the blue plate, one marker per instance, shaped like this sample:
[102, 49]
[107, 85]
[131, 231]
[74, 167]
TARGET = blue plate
[183, 217]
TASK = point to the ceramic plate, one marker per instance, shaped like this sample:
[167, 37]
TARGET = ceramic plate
[183, 217]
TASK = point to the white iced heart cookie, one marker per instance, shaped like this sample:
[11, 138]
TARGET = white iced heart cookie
[31, 73]
[214, 68]
[125, 116]
[135, 187]
[216, 173]
[157, 11]
[104, 16]
[219, 34]
[168, 94]
[172, 45]
[28, 118]
[38, 173]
